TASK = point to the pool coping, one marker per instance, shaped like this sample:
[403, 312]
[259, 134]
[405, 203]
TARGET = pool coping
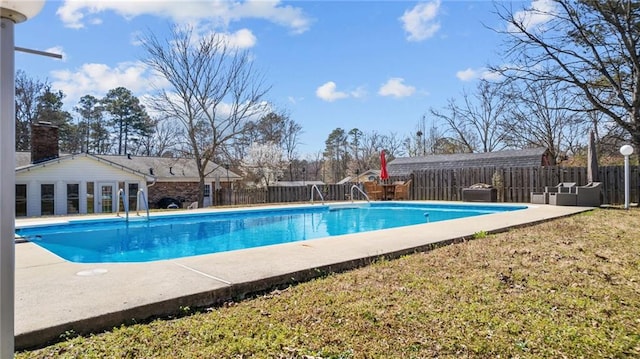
[55, 298]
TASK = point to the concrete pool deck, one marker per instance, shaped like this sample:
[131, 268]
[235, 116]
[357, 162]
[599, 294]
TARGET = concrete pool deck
[54, 296]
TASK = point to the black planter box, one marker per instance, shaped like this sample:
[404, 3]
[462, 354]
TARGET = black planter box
[480, 195]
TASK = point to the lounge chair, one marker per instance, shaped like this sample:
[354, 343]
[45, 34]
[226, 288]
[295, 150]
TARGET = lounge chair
[402, 190]
[588, 195]
[373, 190]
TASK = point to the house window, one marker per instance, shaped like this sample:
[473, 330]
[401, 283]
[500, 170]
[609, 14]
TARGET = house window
[21, 200]
[47, 203]
[90, 197]
[207, 190]
[133, 196]
[73, 198]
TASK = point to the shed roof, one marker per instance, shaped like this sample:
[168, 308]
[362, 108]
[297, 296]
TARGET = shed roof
[530, 157]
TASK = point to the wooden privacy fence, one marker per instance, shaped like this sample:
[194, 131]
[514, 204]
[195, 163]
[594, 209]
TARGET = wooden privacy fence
[517, 183]
[276, 194]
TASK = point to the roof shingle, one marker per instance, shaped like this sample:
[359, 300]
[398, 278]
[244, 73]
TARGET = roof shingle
[404, 166]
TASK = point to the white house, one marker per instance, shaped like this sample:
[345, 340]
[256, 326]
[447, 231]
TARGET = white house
[74, 184]
[48, 183]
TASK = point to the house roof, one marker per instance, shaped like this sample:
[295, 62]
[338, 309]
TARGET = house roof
[26, 167]
[531, 157]
[167, 169]
[362, 177]
[164, 169]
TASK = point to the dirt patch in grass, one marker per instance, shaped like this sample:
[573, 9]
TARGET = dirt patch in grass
[566, 288]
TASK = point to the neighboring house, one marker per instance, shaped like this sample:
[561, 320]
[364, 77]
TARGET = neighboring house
[534, 157]
[366, 176]
[50, 184]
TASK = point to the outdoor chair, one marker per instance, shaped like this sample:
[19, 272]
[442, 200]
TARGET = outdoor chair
[562, 187]
[402, 191]
[563, 199]
[588, 195]
[373, 190]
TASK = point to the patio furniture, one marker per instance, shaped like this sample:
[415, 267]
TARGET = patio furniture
[588, 195]
[540, 197]
[388, 189]
[402, 190]
[563, 199]
[544, 197]
[480, 192]
[566, 187]
[373, 190]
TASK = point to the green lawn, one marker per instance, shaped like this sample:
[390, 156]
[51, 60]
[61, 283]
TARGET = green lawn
[566, 288]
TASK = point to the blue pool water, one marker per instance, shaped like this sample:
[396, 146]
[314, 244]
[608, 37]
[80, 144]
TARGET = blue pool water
[175, 236]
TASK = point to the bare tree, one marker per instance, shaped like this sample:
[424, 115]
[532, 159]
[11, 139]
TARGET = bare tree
[213, 91]
[541, 115]
[28, 92]
[476, 124]
[590, 45]
[164, 138]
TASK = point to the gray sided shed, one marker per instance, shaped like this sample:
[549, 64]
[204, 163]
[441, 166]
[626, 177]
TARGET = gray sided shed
[533, 157]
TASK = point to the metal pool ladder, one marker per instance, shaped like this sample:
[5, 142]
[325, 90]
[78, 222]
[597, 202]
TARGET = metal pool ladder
[124, 204]
[146, 203]
[319, 193]
[359, 190]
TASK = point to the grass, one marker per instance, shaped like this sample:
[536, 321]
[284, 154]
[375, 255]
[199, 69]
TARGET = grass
[568, 288]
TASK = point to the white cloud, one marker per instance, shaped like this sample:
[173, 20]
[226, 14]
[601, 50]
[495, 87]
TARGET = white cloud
[473, 74]
[540, 12]
[327, 92]
[360, 92]
[467, 75]
[420, 22]
[97, 79]
[78, 13]
[395, 87]
[241, 39]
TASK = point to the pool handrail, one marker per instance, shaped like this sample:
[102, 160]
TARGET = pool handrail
[319, 193]
[124, 204]
[359, 190]
[146, 203]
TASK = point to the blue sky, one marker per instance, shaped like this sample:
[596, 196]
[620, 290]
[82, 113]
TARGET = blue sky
[374, 65]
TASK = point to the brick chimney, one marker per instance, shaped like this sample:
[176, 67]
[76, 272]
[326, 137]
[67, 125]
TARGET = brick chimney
[44, 142]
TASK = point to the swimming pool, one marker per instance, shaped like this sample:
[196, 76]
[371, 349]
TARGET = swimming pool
[189, 234]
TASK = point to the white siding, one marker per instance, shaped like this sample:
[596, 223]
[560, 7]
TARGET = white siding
[80, 170]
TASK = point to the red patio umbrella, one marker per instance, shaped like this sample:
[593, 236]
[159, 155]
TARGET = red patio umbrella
[383, 166]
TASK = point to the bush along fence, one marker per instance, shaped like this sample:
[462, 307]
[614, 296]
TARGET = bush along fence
[514, 185]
